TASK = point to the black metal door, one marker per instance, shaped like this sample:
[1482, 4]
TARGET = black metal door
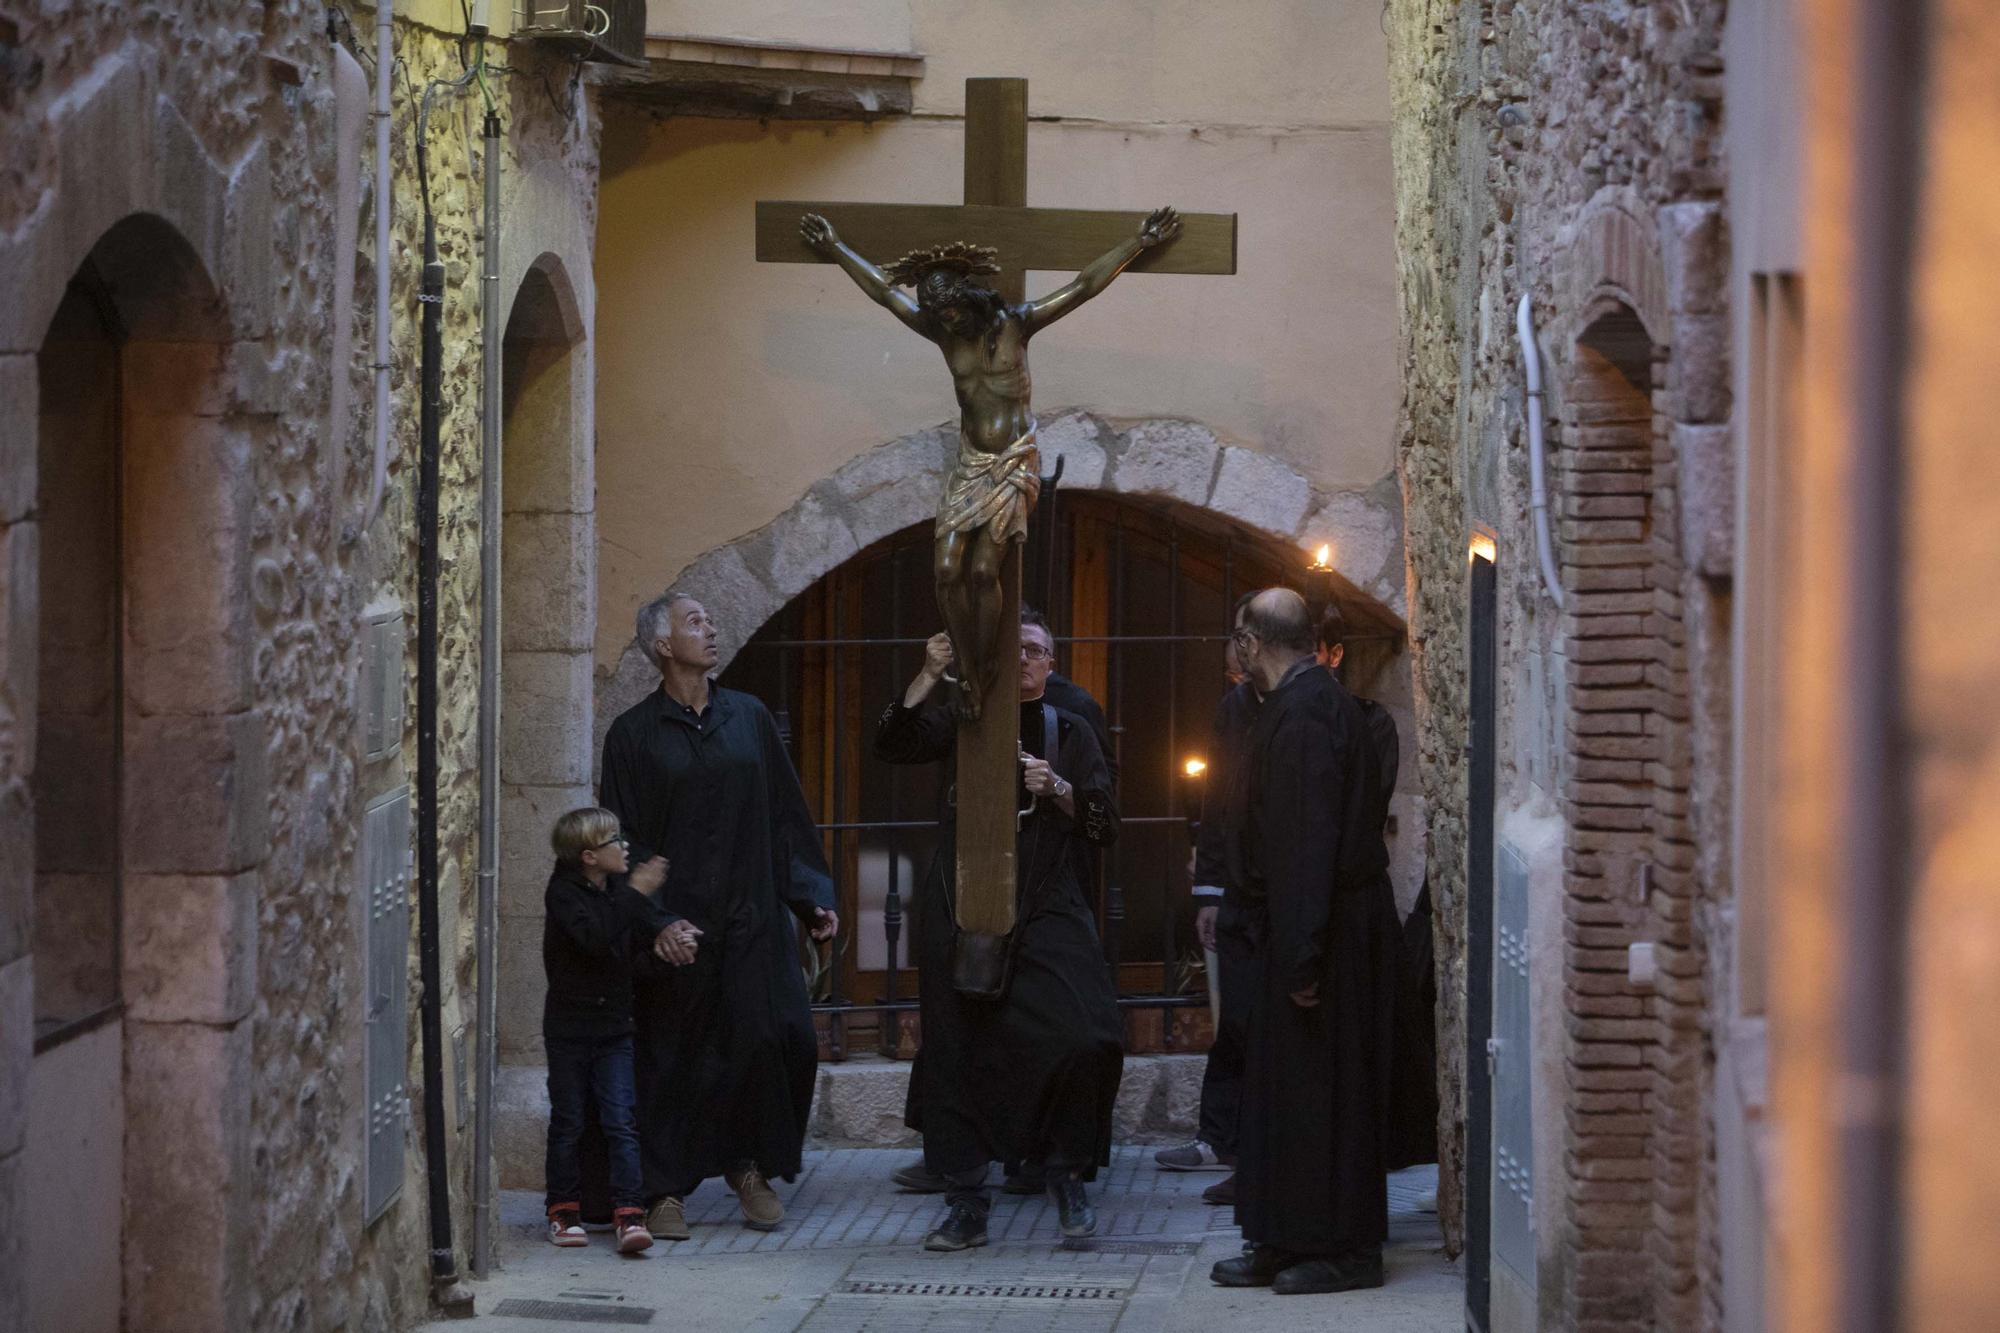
[1480, 755]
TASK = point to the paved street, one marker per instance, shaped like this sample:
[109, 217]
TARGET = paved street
[847, 1259]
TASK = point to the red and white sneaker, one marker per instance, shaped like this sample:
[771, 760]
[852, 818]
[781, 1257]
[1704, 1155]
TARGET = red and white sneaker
[630, 1224]
[566, 1227]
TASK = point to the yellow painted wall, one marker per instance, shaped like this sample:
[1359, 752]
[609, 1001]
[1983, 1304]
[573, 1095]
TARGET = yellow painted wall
[726, 388]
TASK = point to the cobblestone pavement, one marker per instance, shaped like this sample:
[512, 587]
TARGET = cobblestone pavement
[848, 1259]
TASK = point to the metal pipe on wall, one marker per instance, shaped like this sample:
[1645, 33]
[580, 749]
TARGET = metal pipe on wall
[446, 1290]
[384, 205]
[1887, 171]
[486, 944]
[1538, 485]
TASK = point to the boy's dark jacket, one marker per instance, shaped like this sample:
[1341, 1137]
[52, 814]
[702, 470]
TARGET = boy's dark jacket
[593, 943]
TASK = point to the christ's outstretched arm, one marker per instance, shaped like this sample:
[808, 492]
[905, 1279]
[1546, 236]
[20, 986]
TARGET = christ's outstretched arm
[819, 234]
[1158, 229]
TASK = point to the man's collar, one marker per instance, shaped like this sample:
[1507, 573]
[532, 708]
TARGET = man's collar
[1293, 672]
[674, 708]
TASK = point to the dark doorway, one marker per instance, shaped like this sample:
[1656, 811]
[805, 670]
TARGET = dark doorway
[1140, 596]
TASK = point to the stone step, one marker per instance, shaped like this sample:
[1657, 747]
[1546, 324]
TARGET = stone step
[859, 1104]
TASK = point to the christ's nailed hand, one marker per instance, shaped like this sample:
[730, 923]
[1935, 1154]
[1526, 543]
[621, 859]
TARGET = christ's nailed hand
[1162, 226]
[649, 875]
[818, 233]
[677, 943]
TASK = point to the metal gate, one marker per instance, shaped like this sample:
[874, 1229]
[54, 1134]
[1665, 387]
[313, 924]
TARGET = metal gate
[1513, 1199]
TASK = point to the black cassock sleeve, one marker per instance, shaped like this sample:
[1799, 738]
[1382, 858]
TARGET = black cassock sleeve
[1211, 844]
[804, 882]
[921, 735]
[1304, 776]
[1084, 767]
[620, 791]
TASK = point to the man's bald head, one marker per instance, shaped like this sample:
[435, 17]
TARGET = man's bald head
[1281, 620]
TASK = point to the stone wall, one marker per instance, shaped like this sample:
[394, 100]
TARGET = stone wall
[1572, 153]
[243, 976]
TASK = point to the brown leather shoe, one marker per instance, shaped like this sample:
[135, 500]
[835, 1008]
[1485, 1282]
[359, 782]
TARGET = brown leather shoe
[761, 1209]
[667, 1220]
[1222, 1193]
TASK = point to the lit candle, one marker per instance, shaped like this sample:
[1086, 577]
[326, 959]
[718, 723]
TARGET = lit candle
[1195, 767]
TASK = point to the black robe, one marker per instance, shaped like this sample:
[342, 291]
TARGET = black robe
[1309, 861]
[1222, 1073]
[725, 1052]
[1032, 1076]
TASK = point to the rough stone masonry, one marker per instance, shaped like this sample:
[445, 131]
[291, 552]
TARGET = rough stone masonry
[217, 121]
[1573, 153]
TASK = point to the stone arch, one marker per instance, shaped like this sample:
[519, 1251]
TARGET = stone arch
[124, 151]
[161, 691]
[1612, 260]
[898, 483]
[548, 601]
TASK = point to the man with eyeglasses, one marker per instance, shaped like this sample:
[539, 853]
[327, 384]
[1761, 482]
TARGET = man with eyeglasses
[1307, 857]
[1027, 1075]
[726, 1054]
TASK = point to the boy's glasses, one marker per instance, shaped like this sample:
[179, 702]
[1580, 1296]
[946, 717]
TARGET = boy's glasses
[619, 841]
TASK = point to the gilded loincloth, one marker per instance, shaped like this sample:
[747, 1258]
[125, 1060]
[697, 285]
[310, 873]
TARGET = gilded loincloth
[992, 491]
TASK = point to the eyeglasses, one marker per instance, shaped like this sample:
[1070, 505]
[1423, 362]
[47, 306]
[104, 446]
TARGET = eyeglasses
[1034, 652]
[618, 841]
[1242, 638]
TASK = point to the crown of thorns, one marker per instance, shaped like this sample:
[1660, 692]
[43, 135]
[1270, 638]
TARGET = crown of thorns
[958, 256]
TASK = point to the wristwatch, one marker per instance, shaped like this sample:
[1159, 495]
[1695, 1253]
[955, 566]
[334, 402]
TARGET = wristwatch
[1062, 789]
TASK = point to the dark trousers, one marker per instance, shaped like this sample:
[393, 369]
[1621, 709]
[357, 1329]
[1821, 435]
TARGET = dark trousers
[594, 1073]
[1222, 1080]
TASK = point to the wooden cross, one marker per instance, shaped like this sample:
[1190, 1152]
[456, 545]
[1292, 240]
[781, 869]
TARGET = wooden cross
[995, 213]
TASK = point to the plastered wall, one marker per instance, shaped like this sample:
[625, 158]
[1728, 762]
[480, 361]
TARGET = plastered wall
[727, 388]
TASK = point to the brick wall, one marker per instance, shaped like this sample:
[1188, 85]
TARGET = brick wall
[1572, 153]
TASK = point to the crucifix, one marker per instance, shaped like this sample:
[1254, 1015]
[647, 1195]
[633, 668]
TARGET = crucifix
[970, 298]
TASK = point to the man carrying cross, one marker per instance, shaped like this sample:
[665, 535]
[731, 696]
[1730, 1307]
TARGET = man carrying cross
[997, 475]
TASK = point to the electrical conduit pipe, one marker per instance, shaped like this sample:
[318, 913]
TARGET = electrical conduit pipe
[1538, 492]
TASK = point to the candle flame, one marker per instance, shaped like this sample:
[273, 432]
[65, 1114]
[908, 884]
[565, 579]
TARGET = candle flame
[1323, 557]
[1195, 767]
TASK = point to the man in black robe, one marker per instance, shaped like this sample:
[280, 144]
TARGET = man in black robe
[1068, 697]
[1032, 1075]
[1219, 926]
[1309, 861]
[725, 1052]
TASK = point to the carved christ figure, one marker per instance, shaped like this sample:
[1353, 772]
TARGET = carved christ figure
[997, 476]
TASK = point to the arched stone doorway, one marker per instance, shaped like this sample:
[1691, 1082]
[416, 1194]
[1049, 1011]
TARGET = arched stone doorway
[145, 781]
[1140, 593]
[549, 601]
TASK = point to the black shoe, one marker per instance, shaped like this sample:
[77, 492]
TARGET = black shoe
[1313, 1277]
[1073, 1211]
[1222, 1193]
[919, 1179]
[1029, 1178]
[1257, 1267]
[963, 1228]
